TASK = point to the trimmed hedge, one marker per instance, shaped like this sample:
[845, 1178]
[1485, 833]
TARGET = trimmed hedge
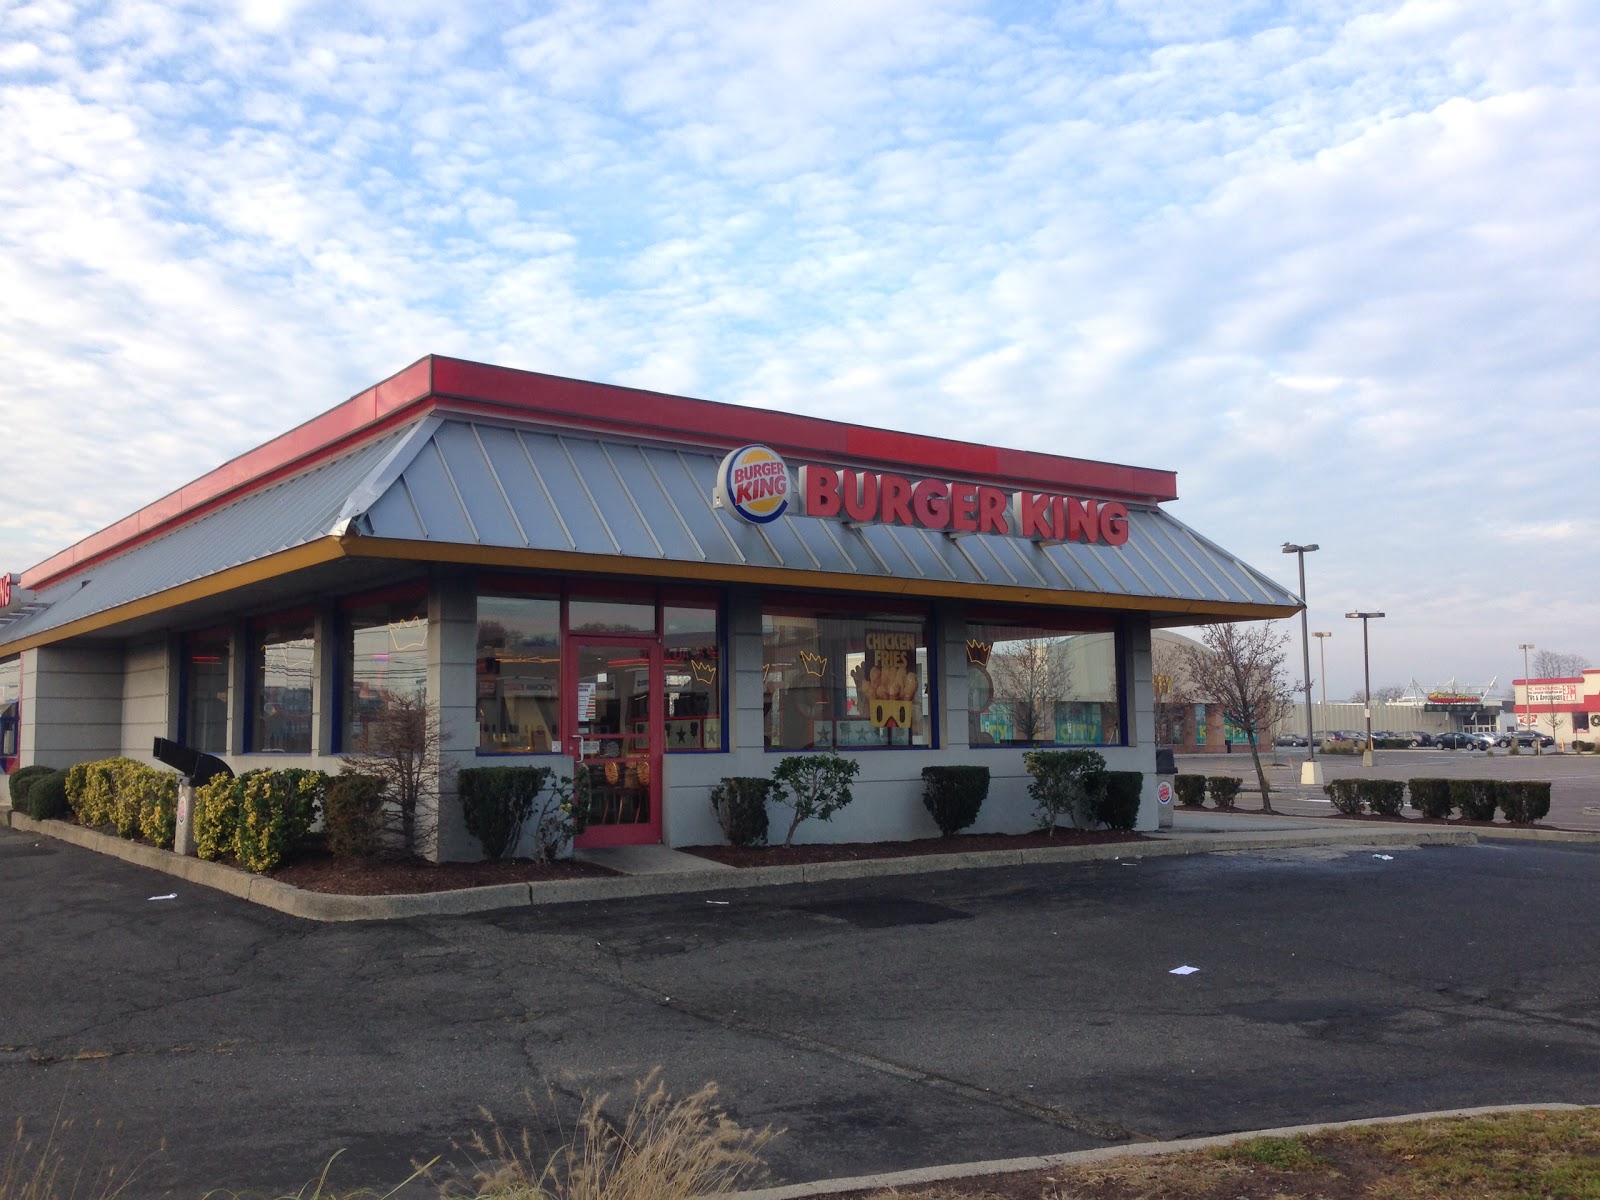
[1191, 790]
[1118, 804]
[131, 797]
[259, 817]
[21, 780]
[740, 805]
[1224, 789]
[1346, 795]
[46, 797]
[1525, 800]
[1475, 799]
[496, 803]
[1431, 797]
[352, 815]
[1383, 796]
[953, 795]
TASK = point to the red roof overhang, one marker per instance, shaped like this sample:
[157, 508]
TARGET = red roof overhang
[482, 390]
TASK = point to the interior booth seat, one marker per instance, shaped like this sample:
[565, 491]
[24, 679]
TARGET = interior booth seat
[657, 590]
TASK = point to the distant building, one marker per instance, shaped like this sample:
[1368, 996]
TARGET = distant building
[1567, 708]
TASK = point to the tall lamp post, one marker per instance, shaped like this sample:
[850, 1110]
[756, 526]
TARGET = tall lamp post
[1527, 701]
[1311, 770]
[1366, 670]
[1322, 654]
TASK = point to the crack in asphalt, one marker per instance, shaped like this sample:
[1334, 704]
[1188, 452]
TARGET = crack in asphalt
[1058, 1117]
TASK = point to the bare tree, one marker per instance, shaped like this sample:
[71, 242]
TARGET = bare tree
[400, 745]
[1387, 694]
[1030, 675]
[1551, 664]
[1173, 698]
[1241, 668]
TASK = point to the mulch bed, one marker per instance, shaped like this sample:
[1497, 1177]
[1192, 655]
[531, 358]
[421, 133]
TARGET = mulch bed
[961, 843]
[321, 872]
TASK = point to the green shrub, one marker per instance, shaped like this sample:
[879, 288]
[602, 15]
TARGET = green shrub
[352, 815]
[1065, 781]
[740, 805]
[1340, 748]
[814, 785]
[215, 817]
[496, 803]
[1578, 744]
[276, 810]
[158, 804]
[1392, 743]
[1474, 799]
[1118, 805]
[1432, 797]
[953, 795]
[1191, 790]
[1224, 789]
[46, 798]
[1526, 800]
[1383, 796]
[1345, 795]
[21, 780]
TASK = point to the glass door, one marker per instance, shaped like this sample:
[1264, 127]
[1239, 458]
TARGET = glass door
[615, 698]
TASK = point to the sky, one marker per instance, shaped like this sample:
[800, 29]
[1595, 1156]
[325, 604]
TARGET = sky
[1333, 262]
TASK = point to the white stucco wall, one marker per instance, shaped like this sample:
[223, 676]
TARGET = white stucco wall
[149, 698]
[72, 706]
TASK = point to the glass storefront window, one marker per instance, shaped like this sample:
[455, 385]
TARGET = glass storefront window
[692, 662]
[1029, 685]
[845, 681]
[281, 690]
[519, 674]
[610, 616]
[385, 658]
[10, 697]
[205, 680]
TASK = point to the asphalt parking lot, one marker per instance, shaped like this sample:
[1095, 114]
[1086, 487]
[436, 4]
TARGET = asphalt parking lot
[883, 1023]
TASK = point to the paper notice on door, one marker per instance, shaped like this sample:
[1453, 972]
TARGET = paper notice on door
[586, 701]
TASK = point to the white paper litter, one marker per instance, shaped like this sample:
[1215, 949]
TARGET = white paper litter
[1183, 971]
[1384, 857]
[723, 903]
[168, 896]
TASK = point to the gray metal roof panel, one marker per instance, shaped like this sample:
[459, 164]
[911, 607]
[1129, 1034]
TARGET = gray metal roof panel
[288, 513]
[459, 480]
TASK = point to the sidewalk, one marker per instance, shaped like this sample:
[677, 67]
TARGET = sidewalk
[659, 870]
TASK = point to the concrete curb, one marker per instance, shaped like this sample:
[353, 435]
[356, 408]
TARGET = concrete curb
[1009, 1166]
[328, 906]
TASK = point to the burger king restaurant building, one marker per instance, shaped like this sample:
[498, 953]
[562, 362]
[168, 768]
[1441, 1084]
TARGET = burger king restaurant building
[666, 591]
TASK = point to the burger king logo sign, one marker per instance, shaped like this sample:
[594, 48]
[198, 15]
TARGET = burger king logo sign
[753, 483]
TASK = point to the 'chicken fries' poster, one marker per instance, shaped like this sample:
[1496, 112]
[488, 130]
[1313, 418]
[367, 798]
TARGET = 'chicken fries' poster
[886, 681]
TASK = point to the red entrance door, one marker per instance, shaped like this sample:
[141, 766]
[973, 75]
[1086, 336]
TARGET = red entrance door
[615, 695]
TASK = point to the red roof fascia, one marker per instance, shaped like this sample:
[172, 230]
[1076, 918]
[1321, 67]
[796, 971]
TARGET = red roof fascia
[388, 403]
[480, 387]
[599, 405]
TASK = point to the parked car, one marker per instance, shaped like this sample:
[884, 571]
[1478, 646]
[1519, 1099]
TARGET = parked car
[1289, 739]
[1526, 739]
[1462, 741]
[1423, 738]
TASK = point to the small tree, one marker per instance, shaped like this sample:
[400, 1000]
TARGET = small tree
[400, 745]
[1241, 668]
[1030, 675]
[815, 785]
[1387, 694]
[1065, 781]
[1173, 699]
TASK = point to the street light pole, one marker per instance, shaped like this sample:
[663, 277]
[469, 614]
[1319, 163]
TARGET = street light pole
[1366, 669]
[1311, 771]
[1527, 701]
[1322, 653]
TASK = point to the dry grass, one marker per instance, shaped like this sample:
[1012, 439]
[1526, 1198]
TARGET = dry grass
[39, 1170]
[663, 1149]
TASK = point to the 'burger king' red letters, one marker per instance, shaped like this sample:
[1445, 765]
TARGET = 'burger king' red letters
[865, 498]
